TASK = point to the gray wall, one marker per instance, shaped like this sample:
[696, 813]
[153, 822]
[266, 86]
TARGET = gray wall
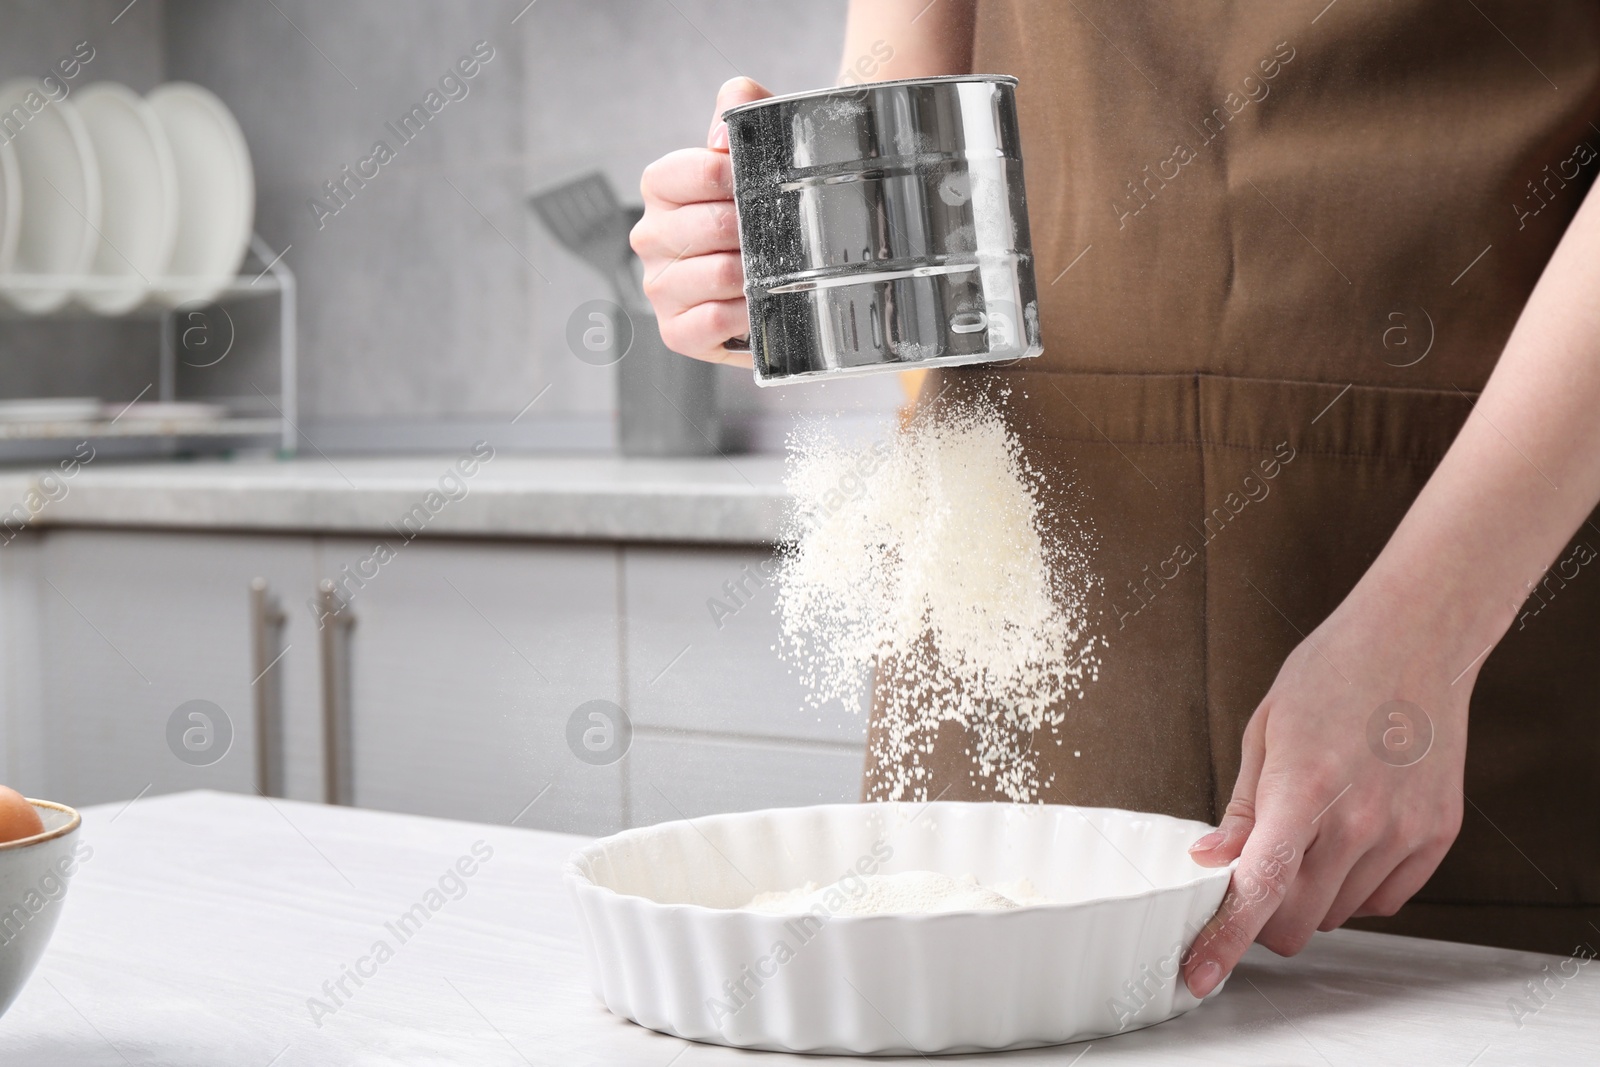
[434, 298]
[435, 294]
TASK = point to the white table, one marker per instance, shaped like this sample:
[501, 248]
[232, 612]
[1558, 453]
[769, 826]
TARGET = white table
[204, 921]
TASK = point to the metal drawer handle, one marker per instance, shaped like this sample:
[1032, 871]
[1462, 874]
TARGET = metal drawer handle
[266, 690]
[336, 621]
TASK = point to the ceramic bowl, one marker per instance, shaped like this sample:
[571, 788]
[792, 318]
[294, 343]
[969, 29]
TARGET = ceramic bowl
[138, 196]
[59, 193]
[671, 948]
[216, 191]
[34, 873]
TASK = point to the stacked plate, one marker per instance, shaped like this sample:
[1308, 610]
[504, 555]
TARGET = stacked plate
[118, 200]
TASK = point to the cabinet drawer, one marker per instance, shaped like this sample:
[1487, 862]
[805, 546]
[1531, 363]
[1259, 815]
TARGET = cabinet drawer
[701, 649]
[682, 777]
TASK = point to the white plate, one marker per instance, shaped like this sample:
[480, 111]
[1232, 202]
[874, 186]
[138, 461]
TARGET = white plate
[139, 196]
[10, 203]
[216, 190]
[166, 411]
[671, 947]
[51, 409]
[61, 190]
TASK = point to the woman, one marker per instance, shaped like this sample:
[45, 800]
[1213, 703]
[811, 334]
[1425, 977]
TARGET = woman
[1320, 292]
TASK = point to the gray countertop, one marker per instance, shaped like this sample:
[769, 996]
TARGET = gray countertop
[208, 928]
[732, 500]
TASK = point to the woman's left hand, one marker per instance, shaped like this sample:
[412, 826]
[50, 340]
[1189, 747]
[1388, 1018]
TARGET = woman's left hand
[1341, 808]
[1349, 793]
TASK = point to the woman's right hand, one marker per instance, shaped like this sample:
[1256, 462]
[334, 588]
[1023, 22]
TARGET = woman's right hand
[688, 241]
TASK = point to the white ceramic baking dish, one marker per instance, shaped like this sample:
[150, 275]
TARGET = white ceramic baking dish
[671, 949]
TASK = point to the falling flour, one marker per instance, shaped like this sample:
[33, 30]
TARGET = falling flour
[908, 892]
[924, 571]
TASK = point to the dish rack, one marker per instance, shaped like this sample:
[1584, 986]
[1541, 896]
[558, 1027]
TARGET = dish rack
[35, 440]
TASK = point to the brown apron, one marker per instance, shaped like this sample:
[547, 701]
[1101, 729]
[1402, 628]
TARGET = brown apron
[1294, 237]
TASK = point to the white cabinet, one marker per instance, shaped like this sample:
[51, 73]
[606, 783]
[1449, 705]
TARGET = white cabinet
[721, 724]
[467, 673]
[129, 626]
[22, 719]
[467, 660]
[686, 777]
[702, 652]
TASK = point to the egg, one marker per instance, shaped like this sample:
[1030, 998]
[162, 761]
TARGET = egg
[18, 818]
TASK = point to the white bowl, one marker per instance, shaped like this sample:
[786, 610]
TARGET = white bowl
[216, 191]
[60, 192]
[671, 948]
[34, 873]
[138, 196]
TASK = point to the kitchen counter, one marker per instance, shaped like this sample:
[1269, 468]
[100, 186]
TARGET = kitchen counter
[734, 500]
[210, 929]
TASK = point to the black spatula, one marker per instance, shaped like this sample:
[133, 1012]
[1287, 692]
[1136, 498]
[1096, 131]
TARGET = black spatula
[584, 215]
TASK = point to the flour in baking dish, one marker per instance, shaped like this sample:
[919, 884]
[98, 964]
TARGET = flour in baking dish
[908, 892]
